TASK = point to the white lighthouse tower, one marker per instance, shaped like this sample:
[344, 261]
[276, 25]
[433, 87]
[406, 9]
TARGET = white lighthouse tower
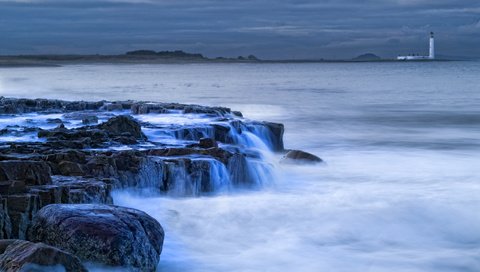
[431, 54]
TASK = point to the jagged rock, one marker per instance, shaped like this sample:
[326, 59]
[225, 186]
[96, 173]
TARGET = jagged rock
[106, 234]
[144, 108]
[18, 255]
[25, 105]
[298, 156]
[31, 172]
[122, 129]
[67, 155]
[122, 125]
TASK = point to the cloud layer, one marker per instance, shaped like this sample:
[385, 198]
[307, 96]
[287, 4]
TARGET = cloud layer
[267, 28]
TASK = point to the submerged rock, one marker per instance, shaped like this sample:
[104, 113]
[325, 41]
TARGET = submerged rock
[106, 234]
[18, 255]
[298, 156]
[89, 119]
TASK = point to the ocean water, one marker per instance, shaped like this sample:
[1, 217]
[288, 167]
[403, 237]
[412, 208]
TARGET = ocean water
[400, 189]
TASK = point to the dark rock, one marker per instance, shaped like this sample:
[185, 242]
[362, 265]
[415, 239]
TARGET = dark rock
[207, 143]
[18, 255]
[109, 235]
[298, 156]
[237, 113]
[276, 136]
[121, 129]
[116, 106]
[144, 108]
[90, 119]
[122, 124]
[25, 105]
[21, 209]
[68, 168]
[32, 172]
[5, 222]
[54, 121]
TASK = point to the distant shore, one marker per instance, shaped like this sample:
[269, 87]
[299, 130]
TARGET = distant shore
[151, 57]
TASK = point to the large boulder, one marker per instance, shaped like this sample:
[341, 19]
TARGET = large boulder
[298, 156]
[19, 255]
[105, 234]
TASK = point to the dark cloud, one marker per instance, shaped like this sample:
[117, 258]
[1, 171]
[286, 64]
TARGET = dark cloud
[267, 28]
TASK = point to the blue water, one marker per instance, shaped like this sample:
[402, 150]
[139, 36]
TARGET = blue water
[399, 192]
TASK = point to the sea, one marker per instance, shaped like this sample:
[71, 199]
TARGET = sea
[399, 189]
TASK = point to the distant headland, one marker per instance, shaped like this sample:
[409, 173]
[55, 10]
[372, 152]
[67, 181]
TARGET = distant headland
[159, 57]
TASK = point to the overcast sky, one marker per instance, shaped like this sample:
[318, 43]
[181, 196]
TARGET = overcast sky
[270, 29]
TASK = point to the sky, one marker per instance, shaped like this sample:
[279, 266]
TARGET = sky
[269, 29]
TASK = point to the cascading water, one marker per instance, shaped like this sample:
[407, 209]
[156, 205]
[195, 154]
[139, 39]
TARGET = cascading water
[251, 166]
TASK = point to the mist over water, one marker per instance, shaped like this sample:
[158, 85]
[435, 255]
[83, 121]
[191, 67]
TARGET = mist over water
[399, 191]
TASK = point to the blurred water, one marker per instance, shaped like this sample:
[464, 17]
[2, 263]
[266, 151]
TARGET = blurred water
[400, 190]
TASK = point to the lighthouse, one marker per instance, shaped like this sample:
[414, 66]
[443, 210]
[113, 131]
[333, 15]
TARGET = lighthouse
[431, 54]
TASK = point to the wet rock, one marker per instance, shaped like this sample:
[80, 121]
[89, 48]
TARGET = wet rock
[54, 121]
[207, 143]
[222, 133]
[18, 255]
[276, 136]
[298, 156]
[145, 108]
[67, 155]
[117, 106]
[106, 234]
[121, 129]
[68, 168]
[122, 125]
[12, 187]
[32, 172]
[90, 119]
[21, 209]
[237, 113]
[5, 222]
[25, 105]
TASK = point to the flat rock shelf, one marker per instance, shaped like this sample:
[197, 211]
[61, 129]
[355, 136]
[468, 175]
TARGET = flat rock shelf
[75, 153]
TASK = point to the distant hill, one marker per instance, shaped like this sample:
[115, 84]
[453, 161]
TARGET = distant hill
[177, 54]
[367, 57]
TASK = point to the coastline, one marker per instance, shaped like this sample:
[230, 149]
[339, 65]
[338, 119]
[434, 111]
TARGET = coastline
[61, 161]
[62, 60]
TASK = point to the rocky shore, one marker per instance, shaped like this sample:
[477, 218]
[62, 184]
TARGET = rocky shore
[60, 161]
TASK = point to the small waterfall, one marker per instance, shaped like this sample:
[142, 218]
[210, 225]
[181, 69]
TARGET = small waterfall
[251, 166]
[263, 133]
[255, 135]
[151, 175]
[250, 172]
[219, 177]
[195, 133]
[196, 177]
